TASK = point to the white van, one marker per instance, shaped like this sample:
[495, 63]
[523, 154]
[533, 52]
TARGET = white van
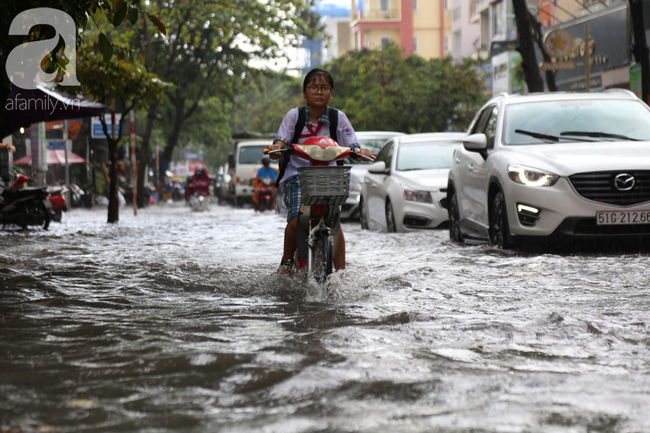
[242, 163]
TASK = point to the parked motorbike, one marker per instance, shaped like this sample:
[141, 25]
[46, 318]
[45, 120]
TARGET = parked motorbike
[77, 196]
[57, 196]
[265, 193]
[323, 189]
[25, 206]
[59, 202]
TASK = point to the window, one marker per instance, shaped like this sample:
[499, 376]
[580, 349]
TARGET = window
[415, 5]
[384, 42]
[472, 8]
[487, 124]
[384, 5]
[415, 44]
[498, 20]
[455, 14]
[491, 128]
[479, 126]
[447, 47]
[251, 154]
[446, 5]
[386, 154]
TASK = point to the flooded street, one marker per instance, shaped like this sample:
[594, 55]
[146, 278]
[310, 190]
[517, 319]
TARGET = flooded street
[173, 321]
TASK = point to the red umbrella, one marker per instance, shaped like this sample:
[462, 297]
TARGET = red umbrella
[53, 157]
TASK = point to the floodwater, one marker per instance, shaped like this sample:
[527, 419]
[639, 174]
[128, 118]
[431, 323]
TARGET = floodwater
[173, 321]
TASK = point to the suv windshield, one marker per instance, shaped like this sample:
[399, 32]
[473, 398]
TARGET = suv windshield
[425, 156]
[577, 120]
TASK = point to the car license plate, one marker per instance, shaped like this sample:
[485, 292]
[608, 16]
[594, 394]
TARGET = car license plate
[622, 218]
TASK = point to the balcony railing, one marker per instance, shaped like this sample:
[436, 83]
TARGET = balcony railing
[376, 14]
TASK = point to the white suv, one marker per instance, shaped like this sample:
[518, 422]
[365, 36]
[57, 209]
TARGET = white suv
[553, 166]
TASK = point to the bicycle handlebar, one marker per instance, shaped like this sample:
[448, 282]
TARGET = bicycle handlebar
[354, 152]
[365, 157]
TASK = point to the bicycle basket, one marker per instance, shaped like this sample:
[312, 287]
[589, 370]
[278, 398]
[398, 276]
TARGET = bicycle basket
[328, 185]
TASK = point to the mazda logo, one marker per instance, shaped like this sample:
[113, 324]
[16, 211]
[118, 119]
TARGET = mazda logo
[624, 182]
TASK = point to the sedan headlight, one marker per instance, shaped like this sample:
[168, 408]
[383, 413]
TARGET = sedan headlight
[531, 177]
[416, 196]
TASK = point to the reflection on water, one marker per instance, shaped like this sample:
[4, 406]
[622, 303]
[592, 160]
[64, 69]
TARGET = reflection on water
[174, 321]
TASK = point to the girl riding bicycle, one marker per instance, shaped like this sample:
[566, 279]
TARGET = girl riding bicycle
[318, 91]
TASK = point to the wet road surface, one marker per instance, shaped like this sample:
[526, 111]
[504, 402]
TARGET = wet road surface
[174, 321]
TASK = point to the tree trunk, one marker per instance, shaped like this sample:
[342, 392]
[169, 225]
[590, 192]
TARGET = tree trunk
[537, 33]
[144, 151]
[527, 48]
[172, 139]
[113, 202]
[640, 48]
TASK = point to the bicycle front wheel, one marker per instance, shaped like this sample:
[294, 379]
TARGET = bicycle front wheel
[322, 256]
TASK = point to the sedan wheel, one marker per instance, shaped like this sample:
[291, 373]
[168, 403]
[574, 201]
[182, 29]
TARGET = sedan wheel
[391, 227]
[363, 215]
[499, 232]
[454, 220]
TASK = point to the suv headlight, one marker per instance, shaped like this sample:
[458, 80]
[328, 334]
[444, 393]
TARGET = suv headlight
[416, 196]
[531, 177]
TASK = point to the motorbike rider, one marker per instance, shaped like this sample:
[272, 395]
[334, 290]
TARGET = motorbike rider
[318, 91]
[264, 171]
[199, 183]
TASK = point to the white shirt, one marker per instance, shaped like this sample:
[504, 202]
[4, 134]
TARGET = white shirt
[344, 130]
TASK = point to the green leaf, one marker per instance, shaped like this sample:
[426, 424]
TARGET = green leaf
[105, 47]
[119, 15]
[133, 15]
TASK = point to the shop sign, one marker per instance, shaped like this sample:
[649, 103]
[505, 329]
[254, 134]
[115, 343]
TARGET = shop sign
[606, 46]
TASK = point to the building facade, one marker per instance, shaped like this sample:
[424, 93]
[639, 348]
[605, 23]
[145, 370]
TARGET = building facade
[466, 29]
[421, 27]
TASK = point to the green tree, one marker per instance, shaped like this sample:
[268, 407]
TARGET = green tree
[126, 86]
[207, 53]
[383, 90]
[262, 107]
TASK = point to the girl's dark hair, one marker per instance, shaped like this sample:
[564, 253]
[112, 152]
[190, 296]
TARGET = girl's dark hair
[315, 73]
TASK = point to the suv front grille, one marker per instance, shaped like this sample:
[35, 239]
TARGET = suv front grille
[601, 187]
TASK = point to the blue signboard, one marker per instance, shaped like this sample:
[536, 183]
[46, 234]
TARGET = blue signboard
[98, 132]
[56, 145]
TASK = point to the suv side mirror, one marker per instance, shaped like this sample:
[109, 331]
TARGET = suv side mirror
[231, 160]
[378, 167]
[476, 143]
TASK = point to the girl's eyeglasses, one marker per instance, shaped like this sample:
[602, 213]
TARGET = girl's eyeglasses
[324, 90]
